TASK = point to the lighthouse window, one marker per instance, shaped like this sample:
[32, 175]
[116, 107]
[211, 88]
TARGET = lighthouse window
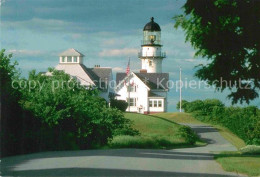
[69, 59]
[150, 63]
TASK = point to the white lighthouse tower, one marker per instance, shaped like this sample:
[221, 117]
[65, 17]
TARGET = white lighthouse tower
[151, 53]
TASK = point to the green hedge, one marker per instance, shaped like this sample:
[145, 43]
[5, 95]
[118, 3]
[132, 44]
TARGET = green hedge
[244, 122]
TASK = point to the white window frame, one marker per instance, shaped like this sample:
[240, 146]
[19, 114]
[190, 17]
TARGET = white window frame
[155, 103]
[133, 102]
[159, 101]
[63, 59]
[75, 59]
[69, 59]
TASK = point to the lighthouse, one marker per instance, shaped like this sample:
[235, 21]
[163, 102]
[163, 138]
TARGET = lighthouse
[151, 54]
[146, 91]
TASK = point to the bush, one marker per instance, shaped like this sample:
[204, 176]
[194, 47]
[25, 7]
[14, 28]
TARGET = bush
[244, 122]
[250, 149]
[126, 141]
[119, 104]
[188, 134]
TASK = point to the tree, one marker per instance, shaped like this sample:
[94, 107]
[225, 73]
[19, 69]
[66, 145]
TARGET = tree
[226, 32]
[183, 105]
[71, 109]
[10, 109]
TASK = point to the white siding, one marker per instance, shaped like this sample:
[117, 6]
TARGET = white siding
[141, 95]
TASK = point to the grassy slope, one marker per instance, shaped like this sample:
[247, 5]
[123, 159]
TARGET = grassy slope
[230, 161]
[236, 162]
[155, 133]
[187, 118]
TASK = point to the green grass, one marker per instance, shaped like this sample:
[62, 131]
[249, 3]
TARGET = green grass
[231, 137]
[188, 118]
[155, 133]
[240, 163]
[179, 117]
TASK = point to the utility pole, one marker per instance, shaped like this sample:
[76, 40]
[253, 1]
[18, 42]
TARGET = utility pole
[180, 88]
[129, 87]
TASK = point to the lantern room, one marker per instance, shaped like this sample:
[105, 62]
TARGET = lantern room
[151, 33]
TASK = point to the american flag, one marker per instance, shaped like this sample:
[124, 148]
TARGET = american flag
[128, 67]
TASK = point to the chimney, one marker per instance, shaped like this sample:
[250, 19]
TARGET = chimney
[143, 71]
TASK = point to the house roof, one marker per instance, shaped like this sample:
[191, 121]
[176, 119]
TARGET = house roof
[87, 76]
[149, 79]
[152, 94]
[71, 52]
[103, 73]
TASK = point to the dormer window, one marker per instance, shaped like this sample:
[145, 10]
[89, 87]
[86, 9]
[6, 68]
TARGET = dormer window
[69, 59]
[75, 59]
[63, 59]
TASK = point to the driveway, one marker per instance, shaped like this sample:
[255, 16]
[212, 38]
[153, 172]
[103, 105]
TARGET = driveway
[126, 162]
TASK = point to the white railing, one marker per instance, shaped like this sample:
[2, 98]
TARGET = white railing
[152, 54]
[148, 42]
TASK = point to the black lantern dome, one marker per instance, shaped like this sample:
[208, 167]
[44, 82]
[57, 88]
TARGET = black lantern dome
[152, 26]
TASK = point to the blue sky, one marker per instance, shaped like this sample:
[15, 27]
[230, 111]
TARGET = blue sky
[106, 32]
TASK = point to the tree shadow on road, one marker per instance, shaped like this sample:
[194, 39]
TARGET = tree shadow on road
[104, 172]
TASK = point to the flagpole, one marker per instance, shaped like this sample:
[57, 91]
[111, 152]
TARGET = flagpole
[180, 89]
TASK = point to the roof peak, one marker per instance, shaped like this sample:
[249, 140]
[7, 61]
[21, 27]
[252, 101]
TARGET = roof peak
[71, 52]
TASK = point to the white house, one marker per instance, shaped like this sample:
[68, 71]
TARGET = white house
[146, 91]
[71, 62]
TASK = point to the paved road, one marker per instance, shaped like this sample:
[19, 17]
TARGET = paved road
[188, 162]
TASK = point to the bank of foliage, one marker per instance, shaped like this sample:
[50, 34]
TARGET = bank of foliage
[56, 113]
[244, 122]
[119, 104]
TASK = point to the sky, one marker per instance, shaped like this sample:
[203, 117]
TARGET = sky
[107, 32]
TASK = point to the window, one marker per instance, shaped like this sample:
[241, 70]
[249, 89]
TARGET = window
[132, 101]
[69, 59]
[131, 88]
[75, 59]
[160, 103]
[150, 63]
[150, 103]
[155, 103]
[63, 59]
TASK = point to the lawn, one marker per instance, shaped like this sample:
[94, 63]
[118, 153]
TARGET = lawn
[178, 117]
[188, 119]
[241, 163]
[155, 133]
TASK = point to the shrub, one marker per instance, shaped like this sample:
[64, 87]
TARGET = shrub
[119, 104]
[250, 149]
[244, 122]
[188, 134]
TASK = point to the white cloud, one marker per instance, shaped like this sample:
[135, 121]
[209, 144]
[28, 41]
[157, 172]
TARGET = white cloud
[2, 2]
[109, 42]
[118, 52]
[44, 25]
[26, 52]
[118, 69]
